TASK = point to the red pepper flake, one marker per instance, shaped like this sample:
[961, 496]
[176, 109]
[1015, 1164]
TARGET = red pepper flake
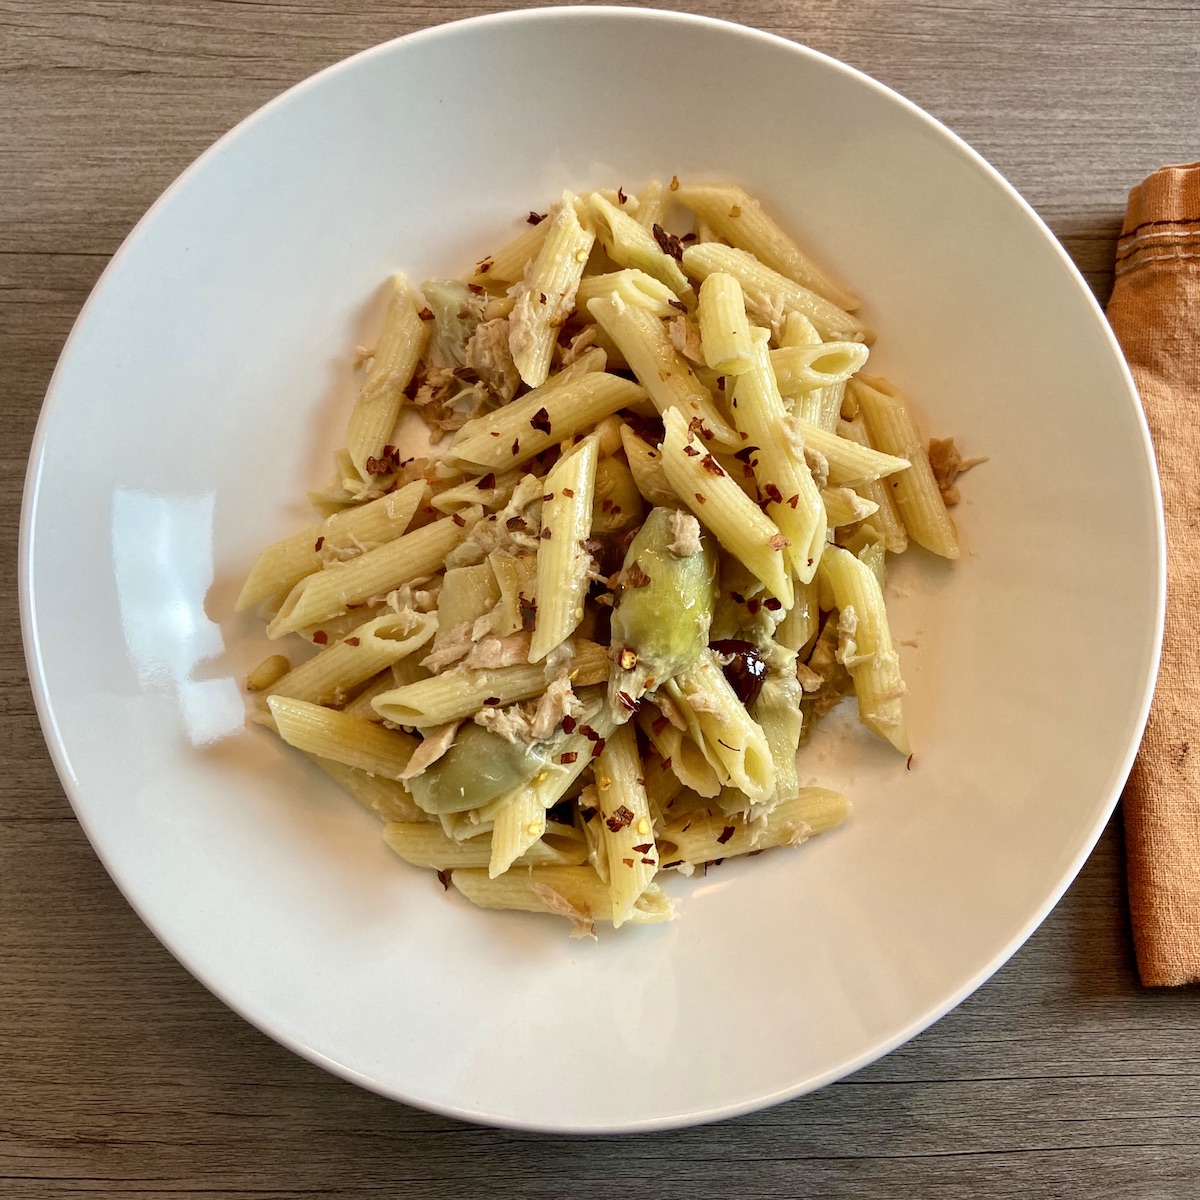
[627, 701]
[666, 763]
[635, 577]
[726, 834]
[320, 637]
[778, 542]
[743, 455]
[487, 482]
[536, 218]
[793, 500]
[605, 505]
[737, 597]
[568, 724]
[659, 724]
[541, 421]
[426, 314]
[547, 497]
[542, 297]
[688, 238]
[474, 289]
[597, 747]
[621, 197]
[648, 860]
[678, 862]
[619, 820]
[546, 534]
[701, 499]
[353, 641]
[444, 879]
[459, 520]
[744, 436]
[691, 451]
[810, 562]
[668, 243]
[773, 493]
[319, 543]
[679, 304]
[569, 493]
[753, 604]
[528, 613]
[588, 732]
[696, 425]
[516, 524]
[772, 605]
[516, 447]
[735, 211]
[492, 700]
[484, 267]
[569, 757]
[747, 472]
[909, 763]
[720, 383]
[494, 432]
[644, 848]
[427, 509]
[627, 861]
[711, 465]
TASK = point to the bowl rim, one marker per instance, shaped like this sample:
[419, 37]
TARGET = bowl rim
[56, 744]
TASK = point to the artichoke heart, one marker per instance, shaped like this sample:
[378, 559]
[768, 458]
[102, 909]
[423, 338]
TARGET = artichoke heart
[663, 610]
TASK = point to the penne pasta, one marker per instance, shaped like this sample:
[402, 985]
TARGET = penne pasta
[625, 823]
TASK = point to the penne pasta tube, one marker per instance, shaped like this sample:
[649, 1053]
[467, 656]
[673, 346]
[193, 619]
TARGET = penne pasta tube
[425, 845]
[545, 298]
[885, 520]
[844, 506]
[801, 624]
[397, 352]
[703, 837]
[659, 367]
[541, 419]
[724, 327]
[805, 368]
[375, 573]
[360, 706]
[645, 463]
[784, 479]
[632, 287]
[777, 714]
[284, 563]
[849, 463]
[628, 244]
[865, 645]
[386, 798]
[508, 263]
[563, 561]
[679, 755]
[720, 725]
[771, 294]
[574, 892]
[625, 824]
[652, 204]
[739, 218]
[461, 692]
[331, 675]
[327, 733]
[917, 496]
[721, 506]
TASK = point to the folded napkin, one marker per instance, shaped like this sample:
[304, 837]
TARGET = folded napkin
[1155, 313]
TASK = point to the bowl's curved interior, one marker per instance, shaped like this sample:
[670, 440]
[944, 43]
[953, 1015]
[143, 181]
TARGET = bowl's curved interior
[202, 391]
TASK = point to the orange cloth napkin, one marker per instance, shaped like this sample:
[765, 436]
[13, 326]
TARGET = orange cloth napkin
[1155, 313]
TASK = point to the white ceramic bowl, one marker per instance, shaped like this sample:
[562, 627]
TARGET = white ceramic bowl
[203, 386]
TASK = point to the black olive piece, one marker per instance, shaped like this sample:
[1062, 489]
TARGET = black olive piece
[745, 671]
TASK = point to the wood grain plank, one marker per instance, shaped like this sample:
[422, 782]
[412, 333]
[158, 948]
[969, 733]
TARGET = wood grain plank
[121, 1076]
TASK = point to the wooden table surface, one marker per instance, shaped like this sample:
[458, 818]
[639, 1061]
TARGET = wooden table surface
[121, 1076]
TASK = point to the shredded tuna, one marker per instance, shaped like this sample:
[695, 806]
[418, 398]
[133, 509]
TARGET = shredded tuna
[556, 702]
[494, 652]
[448, 402]
[510, 723]
[488, 354]
[948, 464]
[669, 709]
[433, 745]
[582, 923]
[685, 337]
[449, 649]
[810, 681]
[818, 464]
[583, 341]
[847, 651]
[685, 534]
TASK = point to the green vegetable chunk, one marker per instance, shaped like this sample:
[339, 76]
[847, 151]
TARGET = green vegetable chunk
[480, 766]
[664, 608]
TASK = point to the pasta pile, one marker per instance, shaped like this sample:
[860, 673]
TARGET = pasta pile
[580, 640]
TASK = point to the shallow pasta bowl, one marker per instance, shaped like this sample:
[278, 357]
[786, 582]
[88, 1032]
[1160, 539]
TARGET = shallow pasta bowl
[209, 376]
